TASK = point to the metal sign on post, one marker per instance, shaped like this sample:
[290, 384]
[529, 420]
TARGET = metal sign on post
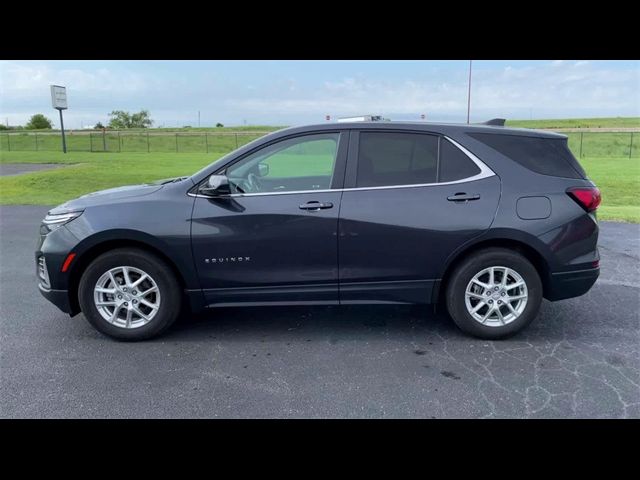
[59, 102]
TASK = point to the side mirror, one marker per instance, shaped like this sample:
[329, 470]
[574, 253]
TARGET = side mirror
[216, 185]
[263, 169]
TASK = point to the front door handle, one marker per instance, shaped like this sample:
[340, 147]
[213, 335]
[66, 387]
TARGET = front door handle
[463, 197]
[315, 205]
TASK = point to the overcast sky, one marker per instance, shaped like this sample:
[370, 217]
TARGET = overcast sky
[295, 92]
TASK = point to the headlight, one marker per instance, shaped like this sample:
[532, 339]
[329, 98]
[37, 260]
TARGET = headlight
[53, 222]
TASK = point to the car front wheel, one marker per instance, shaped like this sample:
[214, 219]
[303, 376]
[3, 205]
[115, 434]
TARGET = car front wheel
[129, 294]
[494, 294]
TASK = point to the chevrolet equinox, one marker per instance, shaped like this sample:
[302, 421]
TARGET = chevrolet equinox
[484, 219]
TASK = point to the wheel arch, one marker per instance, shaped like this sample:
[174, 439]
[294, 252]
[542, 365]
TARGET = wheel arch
[531, 248]
[93, 247]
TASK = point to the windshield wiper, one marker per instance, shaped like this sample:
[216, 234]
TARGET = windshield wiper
[169, 180]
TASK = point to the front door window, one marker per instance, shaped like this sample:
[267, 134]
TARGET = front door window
[297, 164]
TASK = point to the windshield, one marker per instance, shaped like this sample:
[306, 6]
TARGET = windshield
[207, 167]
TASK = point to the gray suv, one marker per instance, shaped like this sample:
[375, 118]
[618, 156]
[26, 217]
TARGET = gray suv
[484, 219]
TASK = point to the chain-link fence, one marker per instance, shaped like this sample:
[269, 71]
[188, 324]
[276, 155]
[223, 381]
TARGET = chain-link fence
[604, 144]
[118, 141]
[582, 144]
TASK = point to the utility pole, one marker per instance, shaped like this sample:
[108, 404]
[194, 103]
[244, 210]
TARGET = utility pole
[198, 118]
[469, 93]
[64, 140]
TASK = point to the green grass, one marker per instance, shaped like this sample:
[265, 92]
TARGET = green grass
[90, 172]
[611, 122]
[619, 182]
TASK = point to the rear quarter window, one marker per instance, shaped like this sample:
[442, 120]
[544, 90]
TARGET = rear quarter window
[548, 156]
[454, 163]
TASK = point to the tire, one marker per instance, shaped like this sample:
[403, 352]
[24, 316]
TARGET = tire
[506, 322]
[159, 274]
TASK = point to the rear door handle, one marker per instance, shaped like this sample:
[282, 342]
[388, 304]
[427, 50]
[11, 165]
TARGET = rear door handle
[463, 197]
[315, 205]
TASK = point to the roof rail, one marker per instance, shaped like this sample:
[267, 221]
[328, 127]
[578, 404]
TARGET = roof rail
[497, 122]
[363, 118]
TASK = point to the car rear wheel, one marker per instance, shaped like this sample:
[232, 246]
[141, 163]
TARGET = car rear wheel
[494, 293]
[129, 294]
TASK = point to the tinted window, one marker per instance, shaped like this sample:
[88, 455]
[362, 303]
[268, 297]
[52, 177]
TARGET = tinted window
[549, 156]
[396, 159]
[454, 163]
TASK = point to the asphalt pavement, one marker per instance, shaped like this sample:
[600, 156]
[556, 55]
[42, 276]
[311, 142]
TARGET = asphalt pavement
[12, 169]
[580, 358]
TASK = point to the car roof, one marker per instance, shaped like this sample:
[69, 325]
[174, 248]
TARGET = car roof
[442, 128]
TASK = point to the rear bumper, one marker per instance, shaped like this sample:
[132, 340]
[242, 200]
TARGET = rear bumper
[563, 285]
[60, 298]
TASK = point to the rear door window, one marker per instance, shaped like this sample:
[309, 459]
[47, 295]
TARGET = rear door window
[389, 158]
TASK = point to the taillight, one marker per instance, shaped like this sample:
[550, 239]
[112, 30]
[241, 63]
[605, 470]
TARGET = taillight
[587, 197]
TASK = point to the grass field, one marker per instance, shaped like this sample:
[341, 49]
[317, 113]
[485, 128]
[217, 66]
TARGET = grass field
[610, 122]
[619, 182]
[90, 172]
[618, 178]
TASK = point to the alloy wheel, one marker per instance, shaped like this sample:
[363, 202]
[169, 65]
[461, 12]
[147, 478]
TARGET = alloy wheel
[496, 296]
[127, 297]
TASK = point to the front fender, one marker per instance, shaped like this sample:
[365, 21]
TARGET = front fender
[176, 251]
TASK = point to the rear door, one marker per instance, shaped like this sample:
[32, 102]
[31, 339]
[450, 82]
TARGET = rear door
[410, 200]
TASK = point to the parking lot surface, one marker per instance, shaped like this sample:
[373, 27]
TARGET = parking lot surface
[12, 169]
[580, 358]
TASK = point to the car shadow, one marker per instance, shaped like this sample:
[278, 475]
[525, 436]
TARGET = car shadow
[555, 322]
[313, 322]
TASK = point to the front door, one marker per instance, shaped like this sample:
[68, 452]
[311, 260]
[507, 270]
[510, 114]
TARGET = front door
[274, 238]
[413, 199]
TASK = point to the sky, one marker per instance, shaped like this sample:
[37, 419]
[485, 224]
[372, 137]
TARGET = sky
[296, 92]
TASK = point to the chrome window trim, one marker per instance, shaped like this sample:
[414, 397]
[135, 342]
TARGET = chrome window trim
[485, 172]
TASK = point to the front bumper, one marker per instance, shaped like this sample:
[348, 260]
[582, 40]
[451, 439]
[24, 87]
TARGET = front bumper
[60, 298]
[564, 285]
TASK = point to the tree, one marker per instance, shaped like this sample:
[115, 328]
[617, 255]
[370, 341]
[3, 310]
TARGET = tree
[38, 121]
[141, 119]
[121, 119]
[98, 126]
[219, 125]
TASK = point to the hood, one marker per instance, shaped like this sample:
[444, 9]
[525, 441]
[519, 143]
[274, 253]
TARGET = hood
[108, 196]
